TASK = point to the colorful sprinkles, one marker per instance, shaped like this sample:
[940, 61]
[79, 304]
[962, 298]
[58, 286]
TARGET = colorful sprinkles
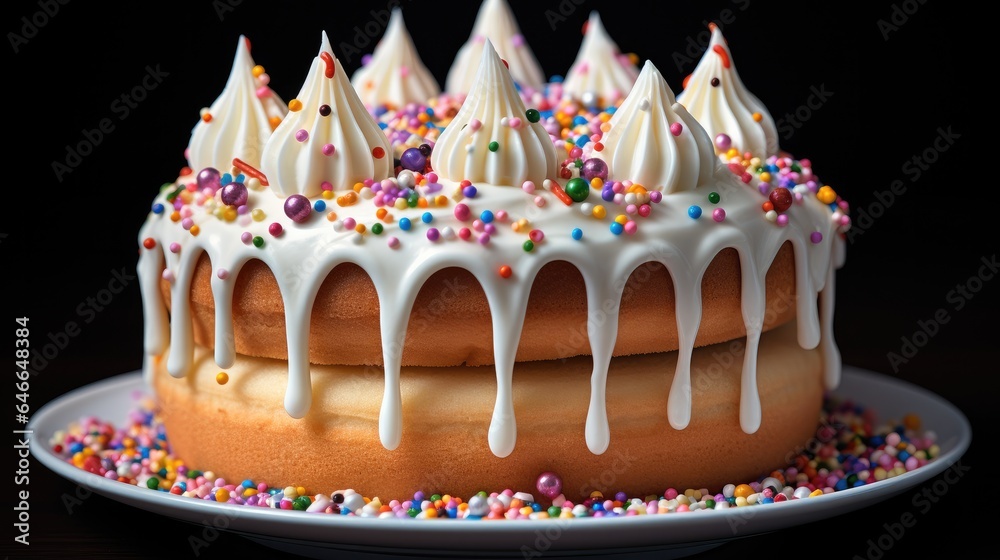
[849, 450]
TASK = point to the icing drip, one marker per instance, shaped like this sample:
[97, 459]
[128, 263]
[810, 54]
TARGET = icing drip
[831, 354]
[600, 68]
[331, 138]
[240, 119]
[395, 75]
[654, 142]
[494, 113]
[728, 107]
[496, 23]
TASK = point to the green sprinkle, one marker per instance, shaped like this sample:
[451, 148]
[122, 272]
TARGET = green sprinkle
[301, 503]
[714, 197]
[710, 503]
[554, 511]
[173, 195]
[377, 229]
[533, 115]
[529, 245]
[152, 483]
[494, 146]
[258, 241]
[435, 497]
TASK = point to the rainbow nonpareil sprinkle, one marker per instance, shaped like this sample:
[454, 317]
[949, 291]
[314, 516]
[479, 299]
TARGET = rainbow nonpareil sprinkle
[848, 451]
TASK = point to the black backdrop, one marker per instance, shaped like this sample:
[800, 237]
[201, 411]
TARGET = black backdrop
[891, 90]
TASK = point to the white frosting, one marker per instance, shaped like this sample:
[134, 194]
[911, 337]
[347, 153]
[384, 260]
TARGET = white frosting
[294, 165]
[600, 68]
[240, 118]
[395, 75]
[489, 114]
[640, 145]
[495, 22]
[728, 108]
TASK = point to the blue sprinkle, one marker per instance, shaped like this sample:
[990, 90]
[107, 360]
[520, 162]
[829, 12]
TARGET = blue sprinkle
[404, 224]
[597, 506]
[157, 208]
[902, 455]
[226, 179]
[577, 234]
[383, 126]
[578, 120]
[76, 447]
[556, 79]
[319, 205]
[427, 218]
[430, 112]
[694, 211]
[582, 141]
[611, 110]
[841, 485]
[617, 228]
[545, 114]
[486, 216]
[380, 110]
[241, 178]
[767, 501]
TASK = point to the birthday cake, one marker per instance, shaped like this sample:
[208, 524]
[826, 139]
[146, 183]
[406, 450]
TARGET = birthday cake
[388, 288]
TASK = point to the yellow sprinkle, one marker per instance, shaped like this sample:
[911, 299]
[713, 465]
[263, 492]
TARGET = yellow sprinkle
[441, 200]
[599, 212]
[358, 187]
[222, 378]
[401, 204]
[257, 71]
[360, 228]
[596, 183]
[766, 177]
[826, 195]
[327, 195]
[294, 105]
[732, 152]
[816, 492]
[605, 117]
[229, 214]
[257, 214]
[621, 219]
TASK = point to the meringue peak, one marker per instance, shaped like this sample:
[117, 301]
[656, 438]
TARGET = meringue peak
[395, 75]
[716, 97]
[239, 121]
[495, 22]
[653, 140]
[328, 137]
[491, 138]
[600, 69]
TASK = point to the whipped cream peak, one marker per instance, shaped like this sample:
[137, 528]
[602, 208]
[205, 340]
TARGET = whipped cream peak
[328, 140]
[600, 72]
[655, 142]
[239, 122]
[395, 75]
[495, 22]
[491, 138]
[715, 95]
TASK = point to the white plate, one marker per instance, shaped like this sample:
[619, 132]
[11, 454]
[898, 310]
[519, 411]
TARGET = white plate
[669, 535]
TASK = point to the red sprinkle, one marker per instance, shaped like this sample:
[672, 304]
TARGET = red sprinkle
[719, 50]
[250, 171]
[149, 243]
[561, 194]
[378, 152]
[331, 67]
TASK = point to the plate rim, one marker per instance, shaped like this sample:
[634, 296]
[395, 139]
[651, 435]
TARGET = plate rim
[281, 522]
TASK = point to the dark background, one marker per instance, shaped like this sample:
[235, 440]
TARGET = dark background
[61, 240]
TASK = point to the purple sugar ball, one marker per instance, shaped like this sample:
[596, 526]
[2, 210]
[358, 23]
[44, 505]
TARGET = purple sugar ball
[549, 484]
[594, 167]
[234, 194]
[209, 178]
[297, 208]
[413, 160]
